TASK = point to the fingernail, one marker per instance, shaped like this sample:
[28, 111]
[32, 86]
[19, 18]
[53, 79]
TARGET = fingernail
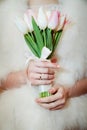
[37, 100]
[52, 90]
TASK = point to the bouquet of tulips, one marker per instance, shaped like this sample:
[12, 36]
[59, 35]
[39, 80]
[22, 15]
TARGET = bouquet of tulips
[42, 31]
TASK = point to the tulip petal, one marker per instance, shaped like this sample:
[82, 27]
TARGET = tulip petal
[45, 52]
[28, 19]
[61, 22]
[42, 19]
[21, 25]
[53, 20]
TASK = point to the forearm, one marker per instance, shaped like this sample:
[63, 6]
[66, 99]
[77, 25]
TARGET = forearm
[79, 89]
[14, 79]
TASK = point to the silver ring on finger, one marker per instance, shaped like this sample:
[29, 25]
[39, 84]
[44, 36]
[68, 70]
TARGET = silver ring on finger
[40, 77]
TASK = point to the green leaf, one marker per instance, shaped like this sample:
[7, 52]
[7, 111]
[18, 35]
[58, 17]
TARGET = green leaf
[49, 39]
[32, 45]
[44, 37]
[57, 38]
[38, 35]
[32, 35]
[56, 41]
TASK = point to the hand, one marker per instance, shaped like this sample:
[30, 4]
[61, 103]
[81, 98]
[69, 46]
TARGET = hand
[41, 72]
[57, 100]
[13, 79]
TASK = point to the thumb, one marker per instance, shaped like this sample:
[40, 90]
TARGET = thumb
[61, 91]
[53, 90]
[53, 60]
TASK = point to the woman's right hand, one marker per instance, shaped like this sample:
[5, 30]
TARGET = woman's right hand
[41, 72]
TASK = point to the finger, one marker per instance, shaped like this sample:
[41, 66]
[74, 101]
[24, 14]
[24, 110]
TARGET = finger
[31, 67]
[53, 90]
[52, 105]
[47, 76]
[42, 70]
[41, 76]
[54, 60]
[57, 108]
[49, 99]
[41, 82]
[61, 91]
[46, 64]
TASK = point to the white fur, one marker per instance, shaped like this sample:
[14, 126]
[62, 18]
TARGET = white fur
[18, 110]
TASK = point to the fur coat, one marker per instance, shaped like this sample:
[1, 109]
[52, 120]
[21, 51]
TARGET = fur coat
[18, 109]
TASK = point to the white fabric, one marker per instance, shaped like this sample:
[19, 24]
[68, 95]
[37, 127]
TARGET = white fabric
[18, 109]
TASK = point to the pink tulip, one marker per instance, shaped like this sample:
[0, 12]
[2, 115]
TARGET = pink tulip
[53, 20]
[28, 19]
[62, 22]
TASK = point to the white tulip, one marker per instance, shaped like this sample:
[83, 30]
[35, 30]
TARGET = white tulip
[48, 13]
[21, 25]
[45, 52]
[28, 20]
[42, 19]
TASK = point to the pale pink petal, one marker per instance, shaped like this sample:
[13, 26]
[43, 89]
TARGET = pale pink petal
[53, 20]
[62, 22]
[28, 19]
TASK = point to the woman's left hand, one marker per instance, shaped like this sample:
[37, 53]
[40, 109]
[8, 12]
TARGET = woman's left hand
[57, 100]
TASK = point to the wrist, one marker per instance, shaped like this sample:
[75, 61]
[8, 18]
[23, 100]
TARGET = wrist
[22, 77]
[14, 79]
[72, 92]
[27, 70]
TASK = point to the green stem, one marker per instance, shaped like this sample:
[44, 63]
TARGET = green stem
[44, 35]
[44, 94]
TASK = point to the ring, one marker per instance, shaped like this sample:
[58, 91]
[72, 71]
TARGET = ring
[40, 78]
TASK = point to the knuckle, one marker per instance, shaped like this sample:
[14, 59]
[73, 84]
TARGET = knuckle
[47, 70]
[51, 76]
[53, 105]
[48, 76]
